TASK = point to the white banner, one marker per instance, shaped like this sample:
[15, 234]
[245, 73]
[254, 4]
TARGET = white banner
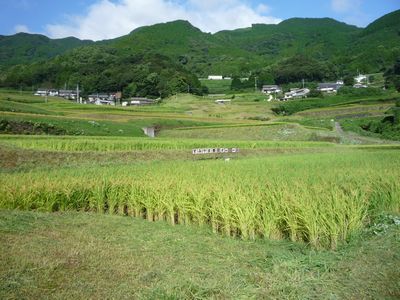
[214, 150]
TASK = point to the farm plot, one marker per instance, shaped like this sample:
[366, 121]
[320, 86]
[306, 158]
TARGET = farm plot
[71, 143]
[319, 199]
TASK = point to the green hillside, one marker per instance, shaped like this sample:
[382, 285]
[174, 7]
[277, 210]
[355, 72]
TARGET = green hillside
[321, 38]
[24, 48]
[377, 46]
[324, 49]
[201, 53]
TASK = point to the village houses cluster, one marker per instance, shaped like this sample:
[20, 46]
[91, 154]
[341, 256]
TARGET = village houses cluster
[97, 98]
[274, 91]
[361, 81]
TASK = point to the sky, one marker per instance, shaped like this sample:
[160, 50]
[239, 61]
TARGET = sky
[106, 19]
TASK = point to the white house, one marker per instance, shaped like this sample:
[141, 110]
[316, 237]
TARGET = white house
[222, 101]
[360, 86]
[141, 101]
[41, 92]
[53, 93]
[104, 102]
[271, 89]
[361, 78]
[297, 93]
[215, 77]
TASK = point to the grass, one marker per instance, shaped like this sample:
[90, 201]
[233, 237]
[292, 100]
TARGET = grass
[217, 86]
[70, 143]
[10, 106]
[291, 107]
[373, 127]
[262, 132]
[95, 125]
[81, 255]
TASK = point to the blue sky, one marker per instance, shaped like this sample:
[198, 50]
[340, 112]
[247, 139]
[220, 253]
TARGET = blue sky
[103, 19]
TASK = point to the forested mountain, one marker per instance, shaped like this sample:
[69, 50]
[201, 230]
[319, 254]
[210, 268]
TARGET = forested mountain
[320, 38]
[377, 46]
[314, 49]
[24, 48]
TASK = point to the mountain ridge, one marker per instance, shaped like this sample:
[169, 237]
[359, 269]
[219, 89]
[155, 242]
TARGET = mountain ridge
[336, 48]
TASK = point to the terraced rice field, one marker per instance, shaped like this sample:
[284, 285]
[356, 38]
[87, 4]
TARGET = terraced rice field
[319, 199]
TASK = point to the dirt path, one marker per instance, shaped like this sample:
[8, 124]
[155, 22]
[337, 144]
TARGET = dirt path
[339, 129]
[347, 137]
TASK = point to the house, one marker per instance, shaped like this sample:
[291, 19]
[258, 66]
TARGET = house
[222, 101]
[102, 99]
[296, 94]
[53, 93]
[361, 78]
[98, 96]
[215, 77]
[329, 87]
[67, 94]
[41, 92]
[271, 89]
[142, 101]
[360, 86]
[104, 102]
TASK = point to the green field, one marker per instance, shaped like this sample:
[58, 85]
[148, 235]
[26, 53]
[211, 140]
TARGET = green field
[92, 208]
[217, 86]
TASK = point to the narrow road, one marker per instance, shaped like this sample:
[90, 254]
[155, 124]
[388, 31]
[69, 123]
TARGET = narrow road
[339, 129]
[355, 138]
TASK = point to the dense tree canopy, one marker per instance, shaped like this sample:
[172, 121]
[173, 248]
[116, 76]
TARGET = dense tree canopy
[101, 69]
[392, 76]
[301, 67]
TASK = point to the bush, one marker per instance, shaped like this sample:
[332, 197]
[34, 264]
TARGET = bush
[348, 81]
[362, 92]
[315, 94]
[26, 127]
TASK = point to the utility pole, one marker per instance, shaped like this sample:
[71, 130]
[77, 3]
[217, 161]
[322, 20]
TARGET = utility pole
[77, 93]
[255, 84]
[303, 83]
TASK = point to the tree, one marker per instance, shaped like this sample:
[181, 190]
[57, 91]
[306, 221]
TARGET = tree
[314, 93]
[348, 80]
[236, 84]
[396, 112]
[300, 67]
[392, 76]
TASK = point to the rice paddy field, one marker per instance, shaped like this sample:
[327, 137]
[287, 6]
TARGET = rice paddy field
[322, 199]
[302, 211]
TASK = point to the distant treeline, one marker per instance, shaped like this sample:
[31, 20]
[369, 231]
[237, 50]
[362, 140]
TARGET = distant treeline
[102, 69]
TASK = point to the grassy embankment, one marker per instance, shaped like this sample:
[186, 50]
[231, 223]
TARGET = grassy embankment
[82, 256]
[217, 86]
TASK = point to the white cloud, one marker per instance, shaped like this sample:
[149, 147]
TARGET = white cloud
[21, 28]
[263, 9]
[106, 19]
[345, 6]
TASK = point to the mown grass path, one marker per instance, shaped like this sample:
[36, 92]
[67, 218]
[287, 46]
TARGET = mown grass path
[91, 256]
